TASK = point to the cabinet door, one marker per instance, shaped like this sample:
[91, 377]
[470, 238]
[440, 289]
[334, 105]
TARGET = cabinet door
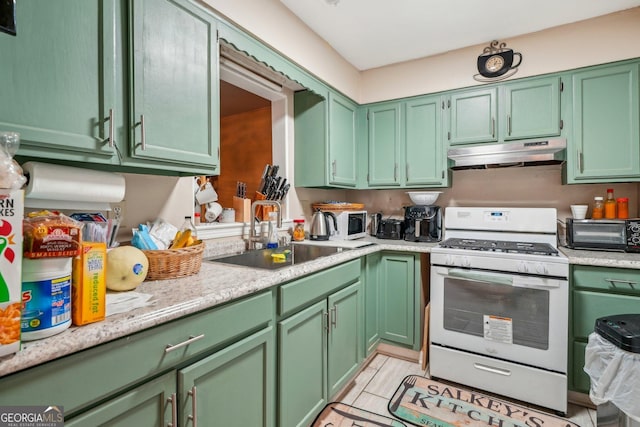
[371, 302]
[233, 387]
[397, 284]
[342, 141]
[473, 117]
[425, 156]
[384, 145]
[302, 365]
[174, 83]
[58, 79]
[345, 333]
[606, 142]
[152, 404]
[531, 109]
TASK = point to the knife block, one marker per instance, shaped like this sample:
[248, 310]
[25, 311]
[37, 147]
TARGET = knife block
[242, 208]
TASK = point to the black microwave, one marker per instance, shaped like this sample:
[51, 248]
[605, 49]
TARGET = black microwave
[604, 234]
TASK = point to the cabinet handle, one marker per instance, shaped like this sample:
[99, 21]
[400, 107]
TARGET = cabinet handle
[194, 407]
[326, 318]
[509, 124]
[407, 172]
[174, 410]
[625, 282]
[395, 172]
[333, 168]
[110, 119]
[192, 339]
[493, 127]
[492, 369]
[334, 316]
[143, 139]
[580, 162]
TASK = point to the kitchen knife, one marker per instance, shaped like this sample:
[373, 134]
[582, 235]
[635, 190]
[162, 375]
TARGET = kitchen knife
[284, 191]
[265, 173]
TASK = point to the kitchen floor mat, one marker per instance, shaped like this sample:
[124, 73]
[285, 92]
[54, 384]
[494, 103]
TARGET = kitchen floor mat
[424, 402]
[337, 414]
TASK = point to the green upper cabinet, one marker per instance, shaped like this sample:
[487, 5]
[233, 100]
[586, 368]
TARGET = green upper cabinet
[425, 154]
[530, 109]
[173, 56]
[58, 75]
[473, 116]
[606, 143]
[384, 144]
[325, 140]
[342, 140]
[518, 110]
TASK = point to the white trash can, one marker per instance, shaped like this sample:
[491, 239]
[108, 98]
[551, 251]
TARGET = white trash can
[612, 361]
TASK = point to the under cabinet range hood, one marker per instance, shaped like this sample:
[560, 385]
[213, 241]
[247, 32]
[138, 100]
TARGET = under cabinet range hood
[517, 153]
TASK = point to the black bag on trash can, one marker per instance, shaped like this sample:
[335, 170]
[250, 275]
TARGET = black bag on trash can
[612, 361]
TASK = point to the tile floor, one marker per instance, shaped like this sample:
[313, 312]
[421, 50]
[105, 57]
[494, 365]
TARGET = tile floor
[376, 383]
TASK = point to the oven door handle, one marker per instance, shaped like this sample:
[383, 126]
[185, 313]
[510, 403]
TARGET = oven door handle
[480, 277]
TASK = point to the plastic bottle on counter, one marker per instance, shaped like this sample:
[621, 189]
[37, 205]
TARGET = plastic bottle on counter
[598, 208]
[623, 207]
[298, 230]
[272, 237]
[610, 205]
[189, 225]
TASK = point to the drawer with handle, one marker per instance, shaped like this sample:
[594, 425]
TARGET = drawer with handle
[607, 279]
[86, 377]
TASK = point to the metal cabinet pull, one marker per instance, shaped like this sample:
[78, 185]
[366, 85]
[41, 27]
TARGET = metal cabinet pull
[620, 281]
[326, 325]
[110, 119]
[333, 168]
[192, 339]
[509, 124]
[580, 161]
[395, 171]
[493, 127]
[174, 410]
[143, 139]
[491, 369]
[407, 172]
[194, 407]
[334, 316]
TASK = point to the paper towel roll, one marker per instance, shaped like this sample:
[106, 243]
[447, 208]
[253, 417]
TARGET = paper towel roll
[65, 187]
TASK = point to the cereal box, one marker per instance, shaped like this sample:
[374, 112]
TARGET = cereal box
[11, 215]
[88, 294]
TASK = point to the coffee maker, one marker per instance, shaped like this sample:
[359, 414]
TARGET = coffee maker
[423, 223]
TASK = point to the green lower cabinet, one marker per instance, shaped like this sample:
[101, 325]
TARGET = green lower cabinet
[318, 353]
[398, 296]
[153, 404]
[596, 292]
[233, 387]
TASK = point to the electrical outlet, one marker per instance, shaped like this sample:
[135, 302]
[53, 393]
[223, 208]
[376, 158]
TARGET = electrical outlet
[117, 211]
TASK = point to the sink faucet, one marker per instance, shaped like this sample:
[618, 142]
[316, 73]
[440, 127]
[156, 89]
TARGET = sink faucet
[253, 235]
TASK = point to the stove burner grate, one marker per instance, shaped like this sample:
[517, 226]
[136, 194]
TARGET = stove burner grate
[530, 248]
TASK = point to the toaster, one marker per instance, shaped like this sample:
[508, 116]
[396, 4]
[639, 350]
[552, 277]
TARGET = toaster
[390, 229]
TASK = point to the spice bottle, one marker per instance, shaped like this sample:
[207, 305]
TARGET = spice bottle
[610, 205]
[623, 207]
[598, 208]
[298, 230]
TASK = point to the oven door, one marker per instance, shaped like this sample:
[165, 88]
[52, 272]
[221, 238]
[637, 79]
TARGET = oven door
[519, 318]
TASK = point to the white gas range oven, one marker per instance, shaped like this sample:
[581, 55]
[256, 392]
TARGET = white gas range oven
[500, 303]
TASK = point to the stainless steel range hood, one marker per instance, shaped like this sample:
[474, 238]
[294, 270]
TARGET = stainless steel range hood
[518, 153]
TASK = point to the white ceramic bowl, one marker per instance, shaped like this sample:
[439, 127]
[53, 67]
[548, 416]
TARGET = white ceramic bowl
[424, 197]
[579, 211]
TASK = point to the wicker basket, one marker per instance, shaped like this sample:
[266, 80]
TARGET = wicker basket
[174, 263]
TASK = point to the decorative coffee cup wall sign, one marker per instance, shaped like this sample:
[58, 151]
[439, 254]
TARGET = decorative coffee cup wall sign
[496, 62]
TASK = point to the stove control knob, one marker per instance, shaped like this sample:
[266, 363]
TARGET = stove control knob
[466, 262]
[541, 268]
[448, 259]
[523, 267]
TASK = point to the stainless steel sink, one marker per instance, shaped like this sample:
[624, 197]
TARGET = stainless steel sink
[273, 259]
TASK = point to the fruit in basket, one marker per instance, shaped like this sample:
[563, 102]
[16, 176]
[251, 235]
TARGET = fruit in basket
[127, 267]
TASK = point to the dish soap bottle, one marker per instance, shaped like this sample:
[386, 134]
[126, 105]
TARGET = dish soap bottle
[610, 205]
[272, 237]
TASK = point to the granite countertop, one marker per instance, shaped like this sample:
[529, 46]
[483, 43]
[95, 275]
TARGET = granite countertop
[215, 284]
[218, 283]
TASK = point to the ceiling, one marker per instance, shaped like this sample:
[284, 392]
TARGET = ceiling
[375, 33]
